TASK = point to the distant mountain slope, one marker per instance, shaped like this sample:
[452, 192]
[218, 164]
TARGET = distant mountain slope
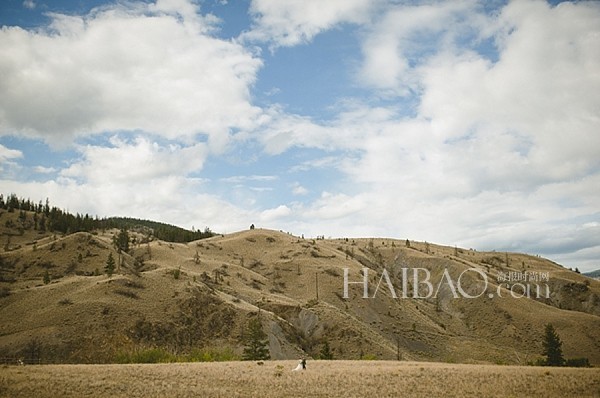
[593, 274]
[57, 303]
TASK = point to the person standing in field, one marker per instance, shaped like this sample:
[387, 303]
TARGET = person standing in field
[301, 365]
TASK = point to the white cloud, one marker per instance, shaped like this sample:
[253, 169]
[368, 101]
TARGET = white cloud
[44, 170]
[7, 154]
[500, 154]
[292, 22]
[8, 164]
[494, 152]
[284, 131]
[135, 162]
[395, 43]
[171, 199]
[280, 131]
[272, 215]
[335, 206]
[298, 189]
[135, 66]
[30, 4]
[543, 91]
[241, 179]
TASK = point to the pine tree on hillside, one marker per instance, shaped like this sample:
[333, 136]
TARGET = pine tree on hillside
[552, 347]
[122, 241]
[46, 277]
[257, 345]
[110, 265]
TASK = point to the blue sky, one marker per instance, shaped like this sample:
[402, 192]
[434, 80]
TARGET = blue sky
[468, 123]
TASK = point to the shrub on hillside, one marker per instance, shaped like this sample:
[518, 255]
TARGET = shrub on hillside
[578, 363]
[211, 355]
[127, 293]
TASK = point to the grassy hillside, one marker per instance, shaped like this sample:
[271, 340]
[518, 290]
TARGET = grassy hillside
[200, 295]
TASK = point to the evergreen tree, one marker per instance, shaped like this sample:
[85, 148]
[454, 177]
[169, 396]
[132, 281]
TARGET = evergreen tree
[326, 352]
[122, 240]
[42, 224]
[552, 347]
[46, 277]
[257, 345]
[110, 265]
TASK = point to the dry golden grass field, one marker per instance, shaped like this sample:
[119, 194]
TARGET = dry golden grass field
[275, 379]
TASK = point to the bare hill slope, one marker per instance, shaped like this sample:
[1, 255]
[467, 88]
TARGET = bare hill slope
[185, 296]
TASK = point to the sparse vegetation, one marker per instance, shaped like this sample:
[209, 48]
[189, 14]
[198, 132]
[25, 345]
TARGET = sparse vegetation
[312, 302]
[552, 347]
[138, 264]
[282, 276]
[110, 265]
[46, 278]
[127, 293]
[578, 363]
[326, 352]
[134, 284]
[65, 301]
[257, 345]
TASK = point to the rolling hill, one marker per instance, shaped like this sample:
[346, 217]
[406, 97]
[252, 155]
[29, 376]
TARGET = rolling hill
[58, 305]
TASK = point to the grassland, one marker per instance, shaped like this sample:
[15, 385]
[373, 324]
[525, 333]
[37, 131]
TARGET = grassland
[275, 379]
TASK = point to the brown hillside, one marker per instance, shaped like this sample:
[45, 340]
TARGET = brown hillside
[202, 294]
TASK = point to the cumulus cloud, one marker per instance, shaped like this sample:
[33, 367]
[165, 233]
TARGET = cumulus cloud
[499, 153]
[172, 199]
[538, 102]
[405, 35]
[7, 154]
[288, 23]
[491, 149]
[280, 131]
[136, 161]
[136, 177]
[274, 214]
[133, 67]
